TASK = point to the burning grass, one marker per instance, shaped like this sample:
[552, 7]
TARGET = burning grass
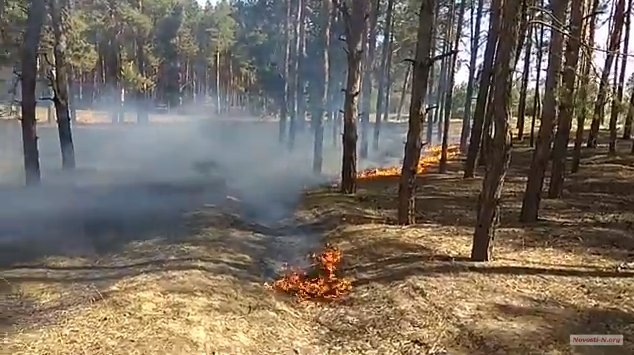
[429, 157]
[320, 282]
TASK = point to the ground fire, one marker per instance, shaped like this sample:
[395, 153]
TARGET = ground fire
[429, 157]
[320, 282]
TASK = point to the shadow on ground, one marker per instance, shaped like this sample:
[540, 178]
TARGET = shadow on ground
[415, 290]
[596, 214]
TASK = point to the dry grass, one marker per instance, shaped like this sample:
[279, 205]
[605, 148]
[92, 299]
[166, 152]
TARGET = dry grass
[202, 295]
[413, 291]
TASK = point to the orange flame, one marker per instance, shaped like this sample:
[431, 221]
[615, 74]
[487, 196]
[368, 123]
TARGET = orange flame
[321, 283]
[430, 157]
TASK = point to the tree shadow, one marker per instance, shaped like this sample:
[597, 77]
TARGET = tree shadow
[547, 326]
[595, 214]
[428, 263]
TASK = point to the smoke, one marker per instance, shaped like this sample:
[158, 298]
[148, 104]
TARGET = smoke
[136, 181]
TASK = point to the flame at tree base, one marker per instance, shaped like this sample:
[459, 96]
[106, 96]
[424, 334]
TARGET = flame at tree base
[320, 283]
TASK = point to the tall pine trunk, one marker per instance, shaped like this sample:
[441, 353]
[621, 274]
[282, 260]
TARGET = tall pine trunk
[521, 108]
[602, 96]
[295, 87]
[483, 90]
[414, 144]
[449, 98]
[541, 155]
[322, 87]
[60, 84]
[497, 164]
[617, 101]
[566, 105]
[367, 79]
[30, 47]
[383, 73]
[356, 22]
[589, 34]
[285, 96]
[475, 44]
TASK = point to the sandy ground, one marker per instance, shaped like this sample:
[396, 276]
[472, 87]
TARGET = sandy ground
[201, 290]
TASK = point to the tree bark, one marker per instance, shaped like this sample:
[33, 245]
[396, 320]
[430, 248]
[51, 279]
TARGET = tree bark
[627, 128]
[599, 106]
[566, 105]
[388, 79]
[449, 98]
[141, 94]
[401, 102]
[413, 145]
[617, 101]
[589, 34]
[475, 44]
[498, 162]
[483, 90]
[521, 108]
[537, 105]
[296, 95]
[300, 80]
[60, 85]
[322, 92]
[367, 79]
[385, 55]
[356, 22]
[30, 46]
[541, 155]
[285, 99]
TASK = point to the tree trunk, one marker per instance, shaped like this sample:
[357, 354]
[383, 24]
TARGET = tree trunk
[401, 102]
[599, 105]
[532, 195]
[30, 46]
[388, 79]
[322, 87]
[483, 90]
[449, 98]
[617, 101]
[475, 44]
[627, 128]
[537, 106]
[367, 79]
[497, 164]
[413, 145]
[356, 22]
[566, 105]
[60, 85]
[385, 55]
[300, 81]
[589, 34]
[285, 97]
[521, 109]
[141, 94]
[442, 81]
[217, 82]
[295, 94]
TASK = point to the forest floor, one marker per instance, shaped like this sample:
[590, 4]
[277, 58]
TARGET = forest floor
[413, 290]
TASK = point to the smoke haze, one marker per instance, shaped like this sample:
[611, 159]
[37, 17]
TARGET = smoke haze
[137, 181]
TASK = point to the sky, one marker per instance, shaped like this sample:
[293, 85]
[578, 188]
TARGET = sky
[601, 39]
